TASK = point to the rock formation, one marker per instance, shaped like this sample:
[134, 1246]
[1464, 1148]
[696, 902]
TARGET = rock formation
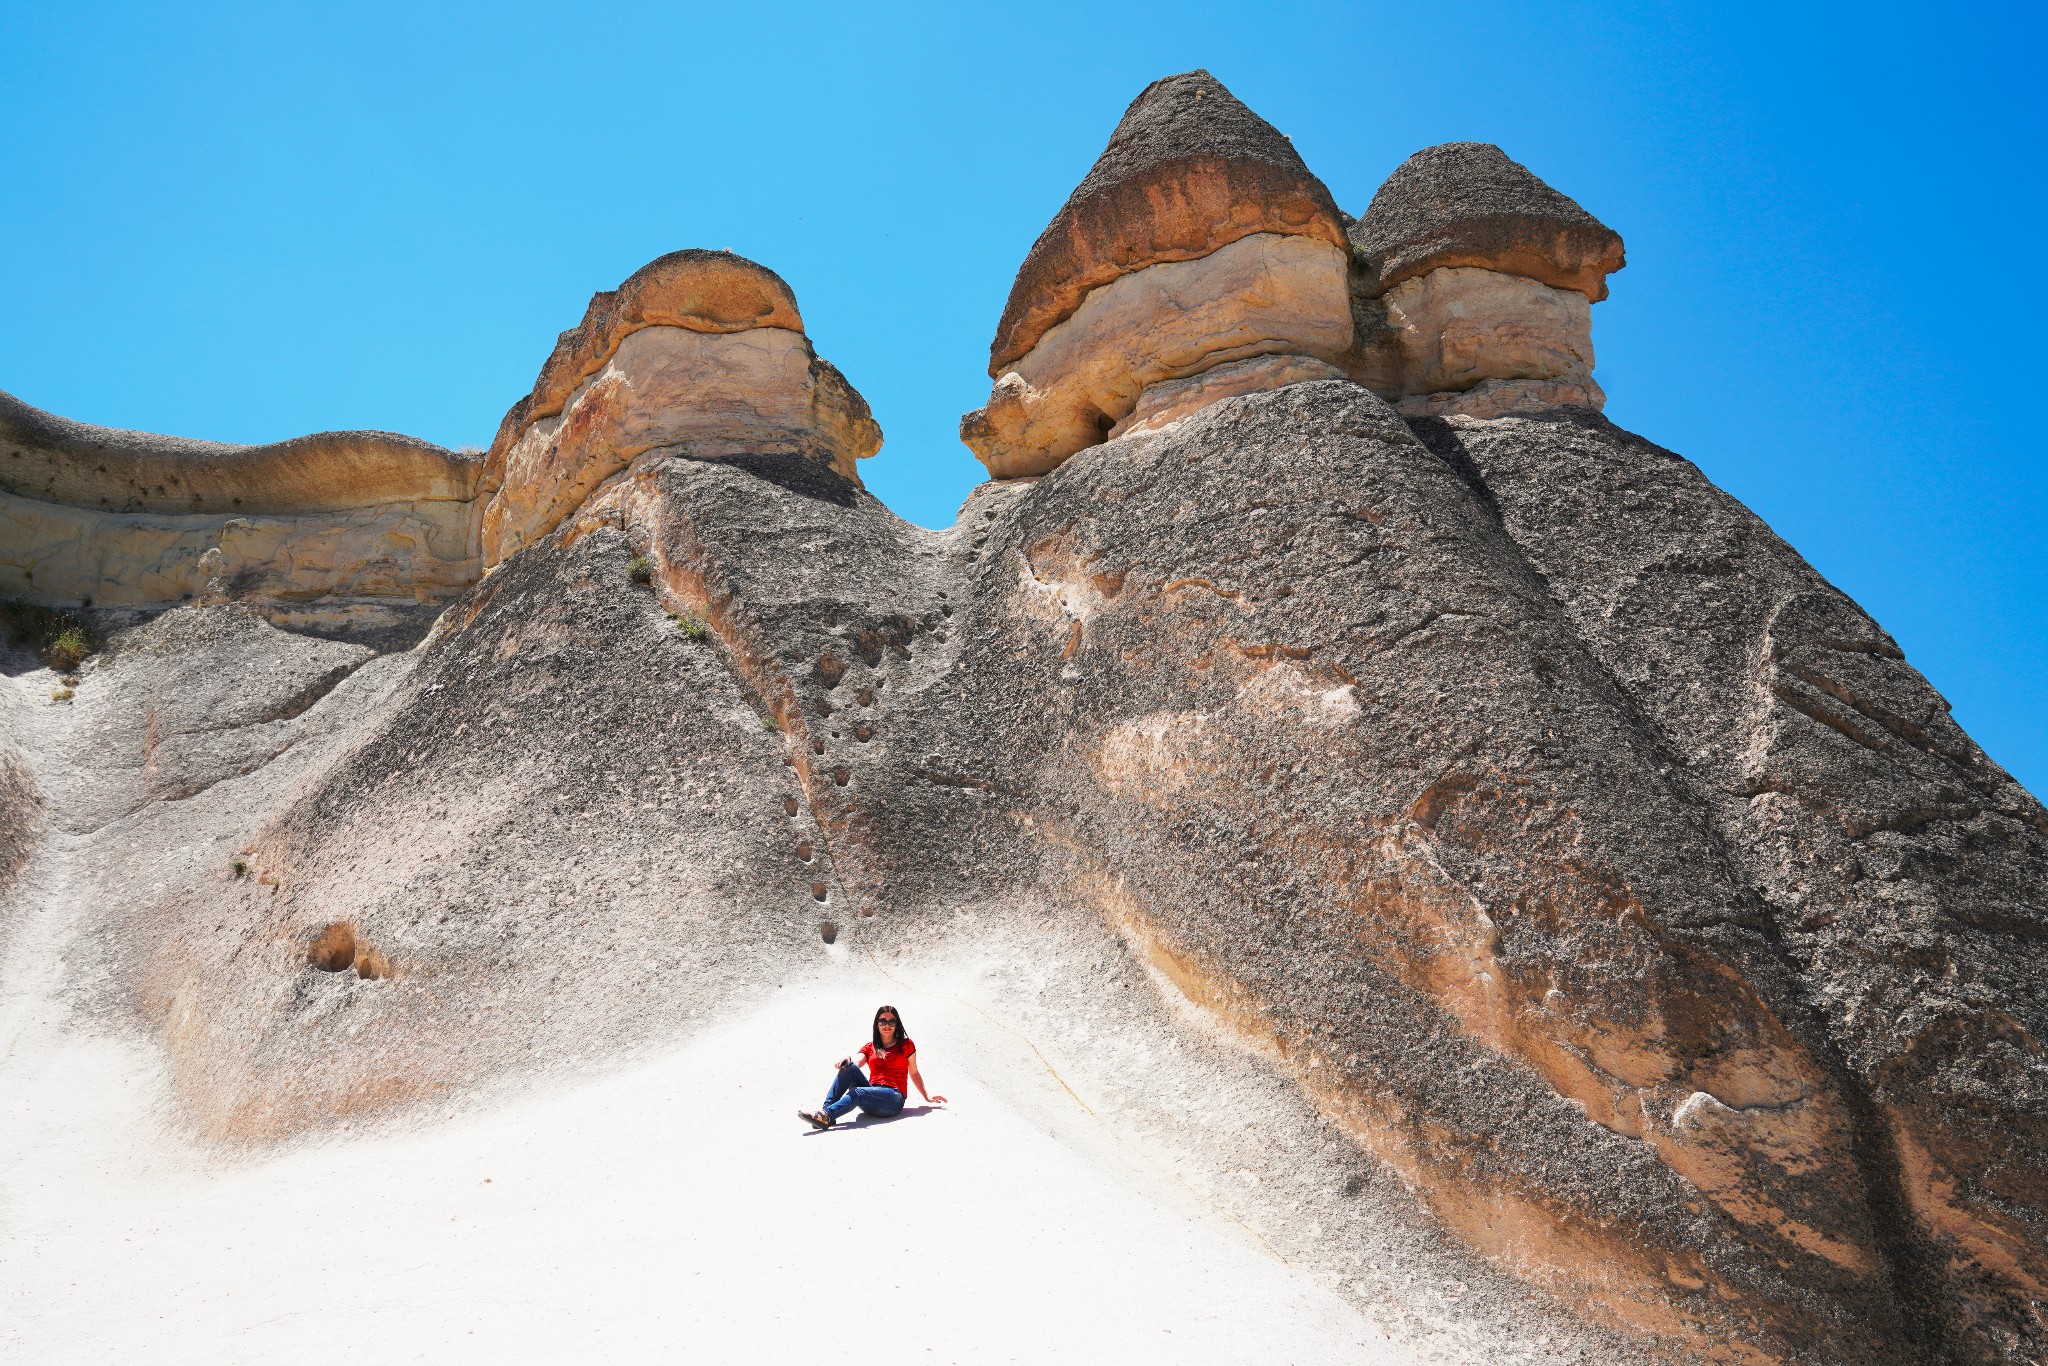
[1474, 279]
[701, 352]
[1341, 706]
[1199, 259]
[130, 519]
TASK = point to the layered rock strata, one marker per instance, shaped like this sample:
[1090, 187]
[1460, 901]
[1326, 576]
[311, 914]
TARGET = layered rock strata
[132, 519]
[1473, 283]
[698, 352]
[1198, 243]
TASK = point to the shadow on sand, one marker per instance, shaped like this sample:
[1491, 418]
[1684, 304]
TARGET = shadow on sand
[854, 1126]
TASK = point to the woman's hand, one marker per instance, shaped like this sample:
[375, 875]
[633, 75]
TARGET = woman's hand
[918, 1078]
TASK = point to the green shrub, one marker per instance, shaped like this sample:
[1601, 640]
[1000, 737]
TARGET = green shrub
[691, 627]
[67, 649]
[640, 569]
[61, 638]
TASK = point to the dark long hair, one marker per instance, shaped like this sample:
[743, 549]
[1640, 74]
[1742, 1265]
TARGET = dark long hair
[902, 1034]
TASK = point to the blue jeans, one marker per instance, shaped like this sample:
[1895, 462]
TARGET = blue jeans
[850, 1088]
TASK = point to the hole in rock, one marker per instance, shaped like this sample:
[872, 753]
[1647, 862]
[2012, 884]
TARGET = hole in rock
[789, 806]
[863, 733]
[804, 851]
[817, 891]
[841, 777]
[828, 931]
[335, 948]
[817, 746]
[372, 964]
[865, 697]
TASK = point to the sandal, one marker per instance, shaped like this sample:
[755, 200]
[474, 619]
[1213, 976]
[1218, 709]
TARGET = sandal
[818, 1119]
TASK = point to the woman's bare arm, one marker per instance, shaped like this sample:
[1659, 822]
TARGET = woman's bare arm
[918, 1078]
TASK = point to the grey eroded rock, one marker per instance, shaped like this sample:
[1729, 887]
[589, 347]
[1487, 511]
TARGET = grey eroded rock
[1904, 872]
[1275, 708]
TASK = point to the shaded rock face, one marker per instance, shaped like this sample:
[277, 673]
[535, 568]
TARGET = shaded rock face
[1538, 832]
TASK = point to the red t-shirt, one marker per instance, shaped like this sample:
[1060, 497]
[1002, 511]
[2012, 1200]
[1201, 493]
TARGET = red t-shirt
[888, 1066]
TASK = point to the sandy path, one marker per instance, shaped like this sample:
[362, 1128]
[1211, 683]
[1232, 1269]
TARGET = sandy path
[674, 1211]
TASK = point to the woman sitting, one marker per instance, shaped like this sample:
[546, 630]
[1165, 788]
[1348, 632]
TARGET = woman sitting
[889, 1057]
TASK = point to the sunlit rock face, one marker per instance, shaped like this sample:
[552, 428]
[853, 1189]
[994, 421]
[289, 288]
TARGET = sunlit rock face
[132, 519]
[701, 352]
[1167, 326]
[1482, 343]
[1197, 241]
[1472, 282]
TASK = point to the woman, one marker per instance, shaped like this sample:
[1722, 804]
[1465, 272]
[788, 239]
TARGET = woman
[889, 1057]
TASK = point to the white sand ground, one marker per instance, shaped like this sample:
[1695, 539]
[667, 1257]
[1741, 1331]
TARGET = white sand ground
[673, 1211]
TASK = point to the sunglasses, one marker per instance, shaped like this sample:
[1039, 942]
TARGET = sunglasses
[886, 1019]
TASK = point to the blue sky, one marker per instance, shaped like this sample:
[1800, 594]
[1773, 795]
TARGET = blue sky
[246, 222]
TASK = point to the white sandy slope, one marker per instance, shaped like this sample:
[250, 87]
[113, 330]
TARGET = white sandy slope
[673, 1211]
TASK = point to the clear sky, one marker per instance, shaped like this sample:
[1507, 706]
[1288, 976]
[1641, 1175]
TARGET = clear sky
[244, 222]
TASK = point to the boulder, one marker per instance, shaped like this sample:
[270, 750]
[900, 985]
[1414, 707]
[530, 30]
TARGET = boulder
[1471, 288]
[1199, 239]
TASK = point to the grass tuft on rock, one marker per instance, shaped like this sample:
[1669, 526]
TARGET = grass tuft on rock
[691, 628]
[62, 639]
[640, 569]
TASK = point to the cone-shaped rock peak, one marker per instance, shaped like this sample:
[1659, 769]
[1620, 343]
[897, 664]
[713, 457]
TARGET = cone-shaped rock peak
[1469, 204]
[1189, 169]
